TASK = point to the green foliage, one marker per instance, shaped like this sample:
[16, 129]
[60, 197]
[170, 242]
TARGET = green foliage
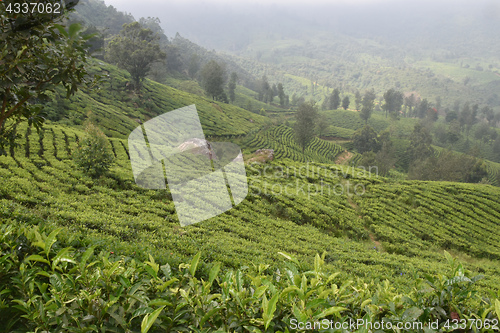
[420, 144]
[281, 139]
[334, 99]
[213, 77]
[93, 153]
[232, 86]
[305, 119]
[39, 54]
[393, 101]
[366, 139]
[46, 285]
[449, 166]
[135, 49]
[346, 102]
[368, 104]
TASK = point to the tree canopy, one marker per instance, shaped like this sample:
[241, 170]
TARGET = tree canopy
[37, 54]
[305, 120]
[213, 78]
[135, 49]
[368, 104]
[393, 101]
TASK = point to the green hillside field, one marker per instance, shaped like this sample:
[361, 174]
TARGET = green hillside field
[379, 232]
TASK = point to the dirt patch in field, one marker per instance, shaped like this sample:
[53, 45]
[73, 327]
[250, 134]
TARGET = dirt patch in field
[344, 157]
[376, 242]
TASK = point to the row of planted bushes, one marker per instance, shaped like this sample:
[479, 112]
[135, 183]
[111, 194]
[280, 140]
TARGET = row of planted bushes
[47, 287]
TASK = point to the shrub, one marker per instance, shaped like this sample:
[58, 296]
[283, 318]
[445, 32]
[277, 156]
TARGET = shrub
[48, 287]
[93, 153]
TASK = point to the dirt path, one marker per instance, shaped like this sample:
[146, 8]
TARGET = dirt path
[343, 158]
[376, 242]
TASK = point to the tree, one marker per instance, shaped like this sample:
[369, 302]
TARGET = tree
[194, 65]
[96, 43]
[410, 101]
[270, 95]
[384, 159]
[335, 99]
[346, 102]
[37, 54]
[439, 103]
[449, 166]
[263, 88]
[420, 144]
[212, 76]
[281, 94]
[322, 124]
[326, 103]
[421, 108]
[440, 134]
[453, 132]
[232, 86]
[135, 49]
[393, 101]
[93, 153]
[357, 100]
[488, 114]
[174, 59]
[305, 118]
[365, 139]
[467, 117]
[450, 116]
[368, 105]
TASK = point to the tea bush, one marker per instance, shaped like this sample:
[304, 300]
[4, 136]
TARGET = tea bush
[46, 286]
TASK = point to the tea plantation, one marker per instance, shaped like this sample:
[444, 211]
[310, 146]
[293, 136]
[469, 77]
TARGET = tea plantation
[80, 254]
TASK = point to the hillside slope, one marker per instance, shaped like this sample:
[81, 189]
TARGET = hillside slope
[385, 231]
[117, 109]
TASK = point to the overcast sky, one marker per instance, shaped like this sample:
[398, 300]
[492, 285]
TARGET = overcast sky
[154, 8]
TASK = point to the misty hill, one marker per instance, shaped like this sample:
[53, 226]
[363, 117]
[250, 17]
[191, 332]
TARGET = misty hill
[436, 49]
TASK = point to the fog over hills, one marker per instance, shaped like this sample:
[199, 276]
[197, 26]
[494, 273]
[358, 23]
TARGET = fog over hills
[463, 27]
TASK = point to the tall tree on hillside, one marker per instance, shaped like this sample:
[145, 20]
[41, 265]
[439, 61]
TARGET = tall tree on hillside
[393, 101]
[194, 65]
[231, 87]
[467, 118]
[38, 54]
[135, 49]
[213, 77]
[420, 144]
[335, 99]
[326, 103]
[367, 105]
[346, 102]
[410, 101]
[263, 88]
[358, 99]
[270, 95]
[281, 94]
[365, 139]
[453, 133]
[475, 112]
[488, 114]
[174, 59]
[322, 124]
[421, 108]
[439, 103]
[305, 118]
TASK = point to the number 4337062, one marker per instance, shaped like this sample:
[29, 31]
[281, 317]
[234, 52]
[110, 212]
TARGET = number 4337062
[34, 8]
